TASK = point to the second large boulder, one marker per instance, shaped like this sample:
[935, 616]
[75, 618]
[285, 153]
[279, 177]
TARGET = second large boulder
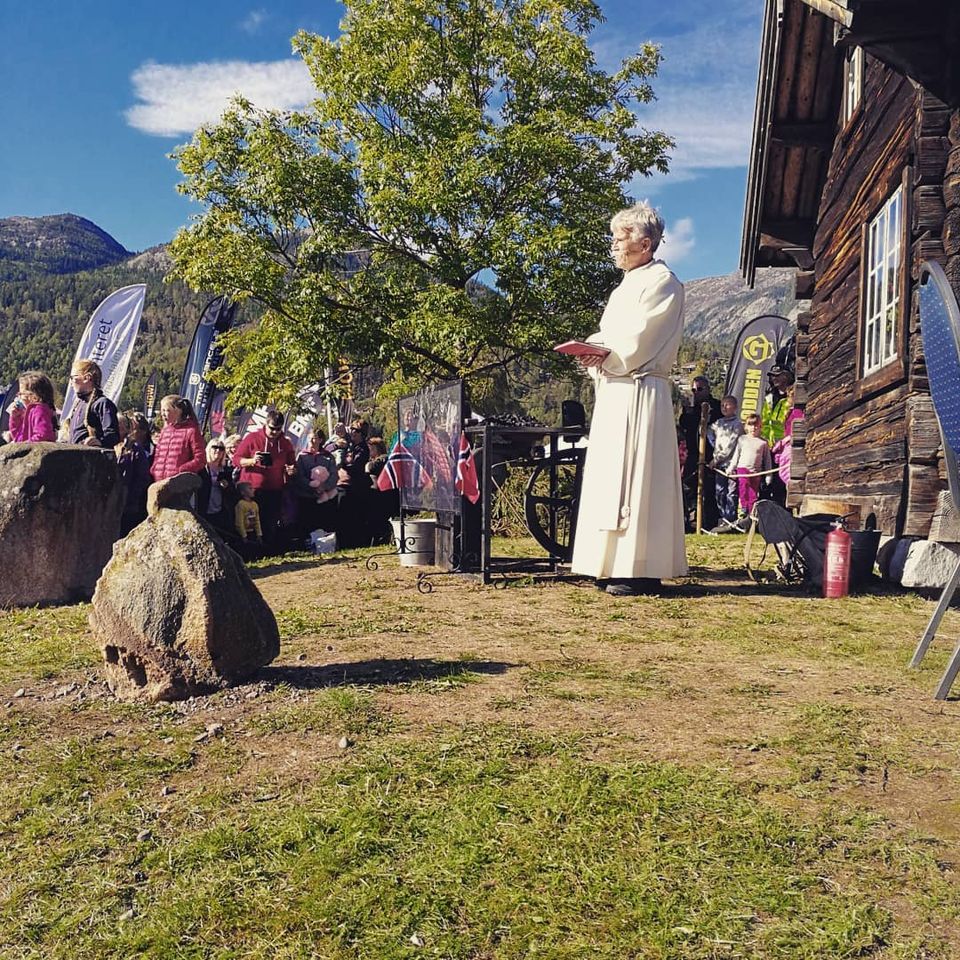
[60, 507]
[176, 613]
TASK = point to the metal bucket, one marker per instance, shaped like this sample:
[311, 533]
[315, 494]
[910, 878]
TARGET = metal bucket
[419, 536]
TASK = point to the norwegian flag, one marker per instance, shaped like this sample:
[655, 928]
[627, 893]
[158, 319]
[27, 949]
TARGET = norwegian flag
[466, 482]
[403, 471]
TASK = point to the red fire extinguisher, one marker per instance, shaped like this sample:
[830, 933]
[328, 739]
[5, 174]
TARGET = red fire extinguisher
[836, 562]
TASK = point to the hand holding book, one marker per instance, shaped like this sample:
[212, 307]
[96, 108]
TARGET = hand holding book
[580, 349]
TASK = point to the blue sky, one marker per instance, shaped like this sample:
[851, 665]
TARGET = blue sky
[97, 94]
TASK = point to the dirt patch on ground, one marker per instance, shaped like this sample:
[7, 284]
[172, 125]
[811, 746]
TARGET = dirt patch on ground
[801, 697]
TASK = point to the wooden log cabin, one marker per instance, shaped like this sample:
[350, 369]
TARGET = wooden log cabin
[854, 180]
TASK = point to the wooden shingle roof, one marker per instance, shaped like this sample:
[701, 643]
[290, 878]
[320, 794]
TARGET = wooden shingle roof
[798, 104]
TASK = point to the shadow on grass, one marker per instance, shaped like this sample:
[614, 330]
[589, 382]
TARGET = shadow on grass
[273, 565]
[378, 672]
[705, 582]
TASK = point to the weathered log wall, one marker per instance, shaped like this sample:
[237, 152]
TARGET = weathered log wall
[869, 442]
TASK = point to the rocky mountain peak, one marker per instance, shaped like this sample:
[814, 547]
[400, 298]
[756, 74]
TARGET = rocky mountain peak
[62, 243]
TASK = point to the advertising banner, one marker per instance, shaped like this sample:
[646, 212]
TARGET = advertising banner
[218, 414]
[754, 353]
[150, 396]
[205, 356]
[109, 338]
[298, 427]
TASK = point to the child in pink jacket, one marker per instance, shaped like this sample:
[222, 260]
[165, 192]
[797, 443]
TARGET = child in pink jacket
[33, 417]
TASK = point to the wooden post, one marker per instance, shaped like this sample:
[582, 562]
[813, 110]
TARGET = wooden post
[701, 466]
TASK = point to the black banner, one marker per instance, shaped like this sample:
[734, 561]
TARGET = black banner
[150, 396]
[753, 355]
[205, 356]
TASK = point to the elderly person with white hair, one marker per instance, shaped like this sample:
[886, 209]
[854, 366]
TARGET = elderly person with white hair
[629, 532]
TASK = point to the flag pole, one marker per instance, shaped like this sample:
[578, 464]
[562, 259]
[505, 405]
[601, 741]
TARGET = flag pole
[701, 467]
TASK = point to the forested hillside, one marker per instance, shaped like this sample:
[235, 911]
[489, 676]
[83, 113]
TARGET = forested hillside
[41, 320]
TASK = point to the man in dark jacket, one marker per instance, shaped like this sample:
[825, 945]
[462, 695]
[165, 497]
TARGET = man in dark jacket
[93, 417]
[690, 425]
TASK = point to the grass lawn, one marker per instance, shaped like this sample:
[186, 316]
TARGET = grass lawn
[726, 770]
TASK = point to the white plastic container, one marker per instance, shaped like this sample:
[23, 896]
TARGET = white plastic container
[323, 542]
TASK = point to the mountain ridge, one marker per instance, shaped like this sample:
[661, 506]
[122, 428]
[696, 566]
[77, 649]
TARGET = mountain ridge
[56, 244]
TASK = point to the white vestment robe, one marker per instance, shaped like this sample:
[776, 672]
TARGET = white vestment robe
[630, 522]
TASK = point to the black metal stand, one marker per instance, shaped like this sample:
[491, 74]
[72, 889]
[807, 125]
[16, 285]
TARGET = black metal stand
[510, 445]
[402, 545]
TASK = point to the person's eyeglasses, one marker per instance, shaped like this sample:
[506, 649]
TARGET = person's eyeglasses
[218, 448]
[274, 429]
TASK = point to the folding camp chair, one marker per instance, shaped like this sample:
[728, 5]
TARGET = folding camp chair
[940, 329]
[797, 541]
[800, 544]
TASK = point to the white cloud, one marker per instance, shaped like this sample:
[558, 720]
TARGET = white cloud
[253, 21]
[678, 241]
[176, 99]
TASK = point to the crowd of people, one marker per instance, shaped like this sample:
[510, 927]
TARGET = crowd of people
[747, 457]
[260, 493]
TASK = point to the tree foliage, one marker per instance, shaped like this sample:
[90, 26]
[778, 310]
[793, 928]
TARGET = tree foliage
[471, 151]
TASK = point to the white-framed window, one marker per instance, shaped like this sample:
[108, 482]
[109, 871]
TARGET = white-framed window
[852, 83]
[884, 268]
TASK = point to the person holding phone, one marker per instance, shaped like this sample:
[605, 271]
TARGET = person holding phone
[266, 459]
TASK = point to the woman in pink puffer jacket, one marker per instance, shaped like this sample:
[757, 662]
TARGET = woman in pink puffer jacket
[179, 447]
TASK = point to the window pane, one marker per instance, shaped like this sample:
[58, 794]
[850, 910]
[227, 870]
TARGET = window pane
[882, 293]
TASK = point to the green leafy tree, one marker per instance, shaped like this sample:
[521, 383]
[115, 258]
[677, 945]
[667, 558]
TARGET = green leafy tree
[451, 144]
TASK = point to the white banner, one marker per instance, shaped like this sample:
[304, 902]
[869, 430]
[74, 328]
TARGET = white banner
[108, 340]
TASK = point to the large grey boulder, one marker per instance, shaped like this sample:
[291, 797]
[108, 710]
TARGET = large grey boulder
[60, 508]
[176, 614]
[928, 566]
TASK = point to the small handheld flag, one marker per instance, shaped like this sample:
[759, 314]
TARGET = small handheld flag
[403, 470]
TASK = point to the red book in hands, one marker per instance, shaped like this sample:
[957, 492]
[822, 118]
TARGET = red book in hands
[579, 348]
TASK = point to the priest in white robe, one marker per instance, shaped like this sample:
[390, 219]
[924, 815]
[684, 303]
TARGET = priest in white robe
[630, 527]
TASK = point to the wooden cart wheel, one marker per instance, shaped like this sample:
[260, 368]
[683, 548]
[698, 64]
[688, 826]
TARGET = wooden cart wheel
[551, 516]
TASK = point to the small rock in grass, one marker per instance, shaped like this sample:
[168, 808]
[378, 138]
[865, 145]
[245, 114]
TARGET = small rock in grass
[167, 790]
[143, 836]
[344, 743]
[166, 739]
[418, 940]
[20, 693]
[301, 656]
[215, 729]
[201, 737]
[127, 915]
